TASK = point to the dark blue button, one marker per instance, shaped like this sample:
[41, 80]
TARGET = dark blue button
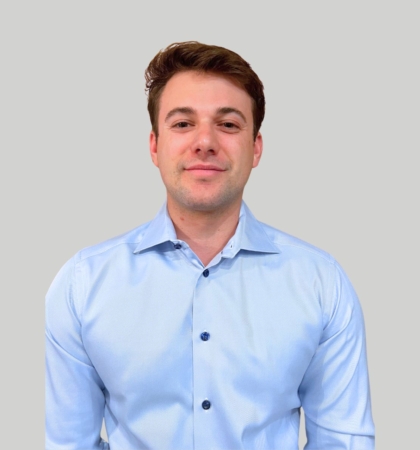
[206, 404]
[178, 246]
[205, 336]
[206, 273]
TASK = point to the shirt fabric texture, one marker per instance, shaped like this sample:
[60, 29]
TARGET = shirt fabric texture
[175, 355]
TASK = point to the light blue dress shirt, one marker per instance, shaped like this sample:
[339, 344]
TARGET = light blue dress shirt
[176, 355]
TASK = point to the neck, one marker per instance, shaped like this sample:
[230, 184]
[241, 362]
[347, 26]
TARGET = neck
[206, 232]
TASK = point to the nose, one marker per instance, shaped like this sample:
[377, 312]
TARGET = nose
[205, 141]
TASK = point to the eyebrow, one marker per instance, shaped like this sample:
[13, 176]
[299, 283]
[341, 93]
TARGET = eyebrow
[190, 111]
[179, 110]
[229, 110]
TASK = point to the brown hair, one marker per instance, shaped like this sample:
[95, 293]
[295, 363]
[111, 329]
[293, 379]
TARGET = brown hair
[192, 55]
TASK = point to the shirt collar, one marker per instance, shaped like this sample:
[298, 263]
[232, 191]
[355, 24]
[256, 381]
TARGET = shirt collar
[249, 235]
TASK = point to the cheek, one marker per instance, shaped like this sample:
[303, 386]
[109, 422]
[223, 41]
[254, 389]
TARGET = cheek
[169, 163]
[166, 166]
[245, 154]
[171, 147]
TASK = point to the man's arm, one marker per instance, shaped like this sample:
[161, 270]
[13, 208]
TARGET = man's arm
[74, 392]
[335, 389]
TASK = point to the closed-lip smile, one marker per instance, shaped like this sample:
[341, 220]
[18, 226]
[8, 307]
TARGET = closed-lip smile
[205, 167]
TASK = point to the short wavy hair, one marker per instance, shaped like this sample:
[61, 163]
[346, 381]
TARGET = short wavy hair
[192, 55]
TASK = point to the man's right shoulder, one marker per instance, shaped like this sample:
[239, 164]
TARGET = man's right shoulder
[123, 242]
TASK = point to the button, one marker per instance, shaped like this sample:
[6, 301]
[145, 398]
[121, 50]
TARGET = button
[205, 336]
[178, 246]
[206, 404]
[206, 273]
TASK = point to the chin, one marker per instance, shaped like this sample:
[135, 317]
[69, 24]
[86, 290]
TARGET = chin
[209, 204]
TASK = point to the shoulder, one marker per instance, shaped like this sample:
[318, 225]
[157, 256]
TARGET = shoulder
[72, 279]
[291, 246]
[313, 268]
[123, 243]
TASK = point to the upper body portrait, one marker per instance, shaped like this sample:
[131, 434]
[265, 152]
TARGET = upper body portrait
[204, 328]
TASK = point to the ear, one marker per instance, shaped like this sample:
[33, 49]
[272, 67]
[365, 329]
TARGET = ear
[258, 149]
[153, 148]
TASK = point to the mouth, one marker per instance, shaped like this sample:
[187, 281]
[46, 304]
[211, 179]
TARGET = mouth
[204, 168]
[204, 171]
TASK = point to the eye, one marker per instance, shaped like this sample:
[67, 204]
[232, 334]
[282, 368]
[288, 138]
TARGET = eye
[229, 125]
[181, 125]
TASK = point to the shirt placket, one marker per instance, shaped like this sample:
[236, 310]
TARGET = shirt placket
[204, 349]
[204, 342]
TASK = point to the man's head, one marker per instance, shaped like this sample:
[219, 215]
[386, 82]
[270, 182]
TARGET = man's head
[208, 125]
[210, 59]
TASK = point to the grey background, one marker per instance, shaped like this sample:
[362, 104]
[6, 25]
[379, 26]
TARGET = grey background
[340, 166]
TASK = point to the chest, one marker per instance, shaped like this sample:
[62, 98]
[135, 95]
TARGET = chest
[261, 322]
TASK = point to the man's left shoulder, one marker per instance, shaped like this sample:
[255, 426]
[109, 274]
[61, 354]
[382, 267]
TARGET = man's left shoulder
[293, 247]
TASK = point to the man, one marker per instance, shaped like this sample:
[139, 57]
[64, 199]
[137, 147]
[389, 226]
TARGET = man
[204, 328]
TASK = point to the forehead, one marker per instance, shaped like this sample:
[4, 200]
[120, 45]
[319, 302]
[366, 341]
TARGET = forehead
[203, 92]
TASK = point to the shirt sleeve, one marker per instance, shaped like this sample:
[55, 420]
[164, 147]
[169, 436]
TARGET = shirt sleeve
[335, 389]
[74, 391]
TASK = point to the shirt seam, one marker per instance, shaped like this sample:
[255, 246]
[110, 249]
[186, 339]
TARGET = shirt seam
[324, 255]
[100, 252]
